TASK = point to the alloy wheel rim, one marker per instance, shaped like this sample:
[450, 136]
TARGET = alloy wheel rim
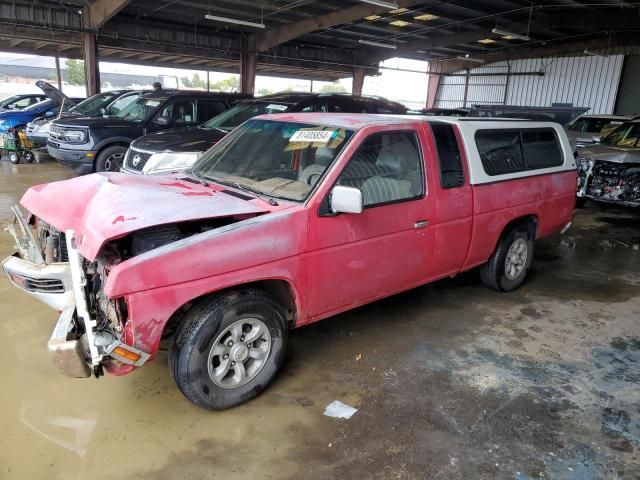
[113, 160]
[516, 259]
[239, 353]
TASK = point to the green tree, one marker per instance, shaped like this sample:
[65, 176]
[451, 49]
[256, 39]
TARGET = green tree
[197, 82]
[186, 82]
[228, 84]
[75, 72]
[334, 87]
[265, 91]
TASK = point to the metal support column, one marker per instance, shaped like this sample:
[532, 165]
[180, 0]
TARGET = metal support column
[358, 80]
[91, 69]
[58, 74]
[435, 77]
[466, 88]
[247, 72]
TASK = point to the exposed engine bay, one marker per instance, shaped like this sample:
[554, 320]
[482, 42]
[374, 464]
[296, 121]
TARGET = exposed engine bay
[106, 318]
[610, 181]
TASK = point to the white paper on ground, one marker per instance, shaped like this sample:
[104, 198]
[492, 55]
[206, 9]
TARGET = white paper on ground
[337, 409]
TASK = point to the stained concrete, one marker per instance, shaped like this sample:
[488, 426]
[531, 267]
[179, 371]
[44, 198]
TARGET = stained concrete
[451, 381]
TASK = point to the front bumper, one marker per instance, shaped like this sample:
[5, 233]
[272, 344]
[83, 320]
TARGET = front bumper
[76, 159]
[78, 345]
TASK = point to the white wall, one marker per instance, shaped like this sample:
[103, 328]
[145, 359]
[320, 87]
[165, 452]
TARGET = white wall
[585, 81]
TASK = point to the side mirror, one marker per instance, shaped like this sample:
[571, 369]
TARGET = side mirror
[346, 200]
[50, 113]
[103, 112]
[163, 121]
[597, 139]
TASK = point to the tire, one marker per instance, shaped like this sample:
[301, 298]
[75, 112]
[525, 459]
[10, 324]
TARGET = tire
[581, 202]
[110, 159]
[14, 158]
[493, 274]
[197, 354]
[28, 157]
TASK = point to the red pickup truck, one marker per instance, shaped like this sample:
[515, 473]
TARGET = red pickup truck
[290, 219]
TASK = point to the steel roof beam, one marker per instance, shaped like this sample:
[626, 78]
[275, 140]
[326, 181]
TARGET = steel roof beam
[272, 38]
[99, 12]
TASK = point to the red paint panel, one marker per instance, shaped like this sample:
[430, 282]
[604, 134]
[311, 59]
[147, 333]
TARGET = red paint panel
[551, 198]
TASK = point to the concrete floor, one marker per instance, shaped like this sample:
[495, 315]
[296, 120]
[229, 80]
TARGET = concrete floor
[452, 381]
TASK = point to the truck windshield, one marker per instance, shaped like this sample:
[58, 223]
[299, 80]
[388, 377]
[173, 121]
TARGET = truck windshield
[242, 112]
[141, 109]
[279, 159]
[626, 135]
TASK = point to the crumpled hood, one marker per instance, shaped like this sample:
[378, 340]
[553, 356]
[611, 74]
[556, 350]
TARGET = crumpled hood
[105, 206]
[190, 139]
[611, 154]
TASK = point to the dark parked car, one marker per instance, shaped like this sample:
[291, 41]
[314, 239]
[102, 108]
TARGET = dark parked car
[178, 149]
[20, 102]
[609, 172]
[99, 144]
[102, 104]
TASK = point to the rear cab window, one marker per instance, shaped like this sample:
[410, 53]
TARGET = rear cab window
[518, 150]
[449, 158]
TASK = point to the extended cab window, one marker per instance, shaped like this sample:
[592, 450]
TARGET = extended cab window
[449, 160]
[512, 151]
[387, 168]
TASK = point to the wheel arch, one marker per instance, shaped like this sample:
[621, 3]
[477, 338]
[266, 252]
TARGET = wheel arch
[111, 142]
[281, 290]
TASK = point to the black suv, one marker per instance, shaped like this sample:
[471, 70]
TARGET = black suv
[99, 144]
[178, 149]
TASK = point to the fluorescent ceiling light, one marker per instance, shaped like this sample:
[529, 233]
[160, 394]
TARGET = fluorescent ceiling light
[470, 59]
[486, 41]
[510, 35]
[372, 17]
[234, 21]
[399, 10]
[378, 44]
[399, 23]
[425, 17]
[381, 3]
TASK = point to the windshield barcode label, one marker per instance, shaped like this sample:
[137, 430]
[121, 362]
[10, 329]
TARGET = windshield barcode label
[316, 136]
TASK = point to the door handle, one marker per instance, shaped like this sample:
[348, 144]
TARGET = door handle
[421, 224]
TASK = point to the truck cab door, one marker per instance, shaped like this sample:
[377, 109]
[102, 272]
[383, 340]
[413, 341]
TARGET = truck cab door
[355, 258]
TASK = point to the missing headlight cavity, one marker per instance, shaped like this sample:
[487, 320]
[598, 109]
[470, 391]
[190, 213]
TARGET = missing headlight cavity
[148, 239]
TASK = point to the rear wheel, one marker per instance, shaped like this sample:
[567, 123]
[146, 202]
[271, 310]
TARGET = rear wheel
[228, 348]
[110, 159]
[28, 157]
[507, 268]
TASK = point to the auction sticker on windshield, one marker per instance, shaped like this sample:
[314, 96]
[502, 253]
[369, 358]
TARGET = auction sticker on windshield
[314, 136]
[275, 106]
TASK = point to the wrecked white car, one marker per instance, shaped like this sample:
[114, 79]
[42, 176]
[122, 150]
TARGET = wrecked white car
[610, 171]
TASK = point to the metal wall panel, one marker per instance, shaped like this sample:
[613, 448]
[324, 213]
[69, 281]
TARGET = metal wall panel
[585, 81]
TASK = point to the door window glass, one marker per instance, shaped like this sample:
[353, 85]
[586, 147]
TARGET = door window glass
[179, 111]
[387, 168]
[208, 109]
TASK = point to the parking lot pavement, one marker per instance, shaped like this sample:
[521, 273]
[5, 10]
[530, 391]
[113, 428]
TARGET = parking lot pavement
[450, 380]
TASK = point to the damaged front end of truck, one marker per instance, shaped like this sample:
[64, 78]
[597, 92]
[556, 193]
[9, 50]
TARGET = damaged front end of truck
[64, 256]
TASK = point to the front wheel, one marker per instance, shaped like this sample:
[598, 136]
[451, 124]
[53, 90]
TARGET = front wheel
[28, 156]
[110, 159]
[14, 158]
[507, 268]
[228, 348]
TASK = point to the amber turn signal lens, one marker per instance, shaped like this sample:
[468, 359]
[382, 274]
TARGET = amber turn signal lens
[123, 352]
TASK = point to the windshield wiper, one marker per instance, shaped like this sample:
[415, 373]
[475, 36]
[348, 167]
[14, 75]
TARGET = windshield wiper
[239, 186]
[196, 176]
